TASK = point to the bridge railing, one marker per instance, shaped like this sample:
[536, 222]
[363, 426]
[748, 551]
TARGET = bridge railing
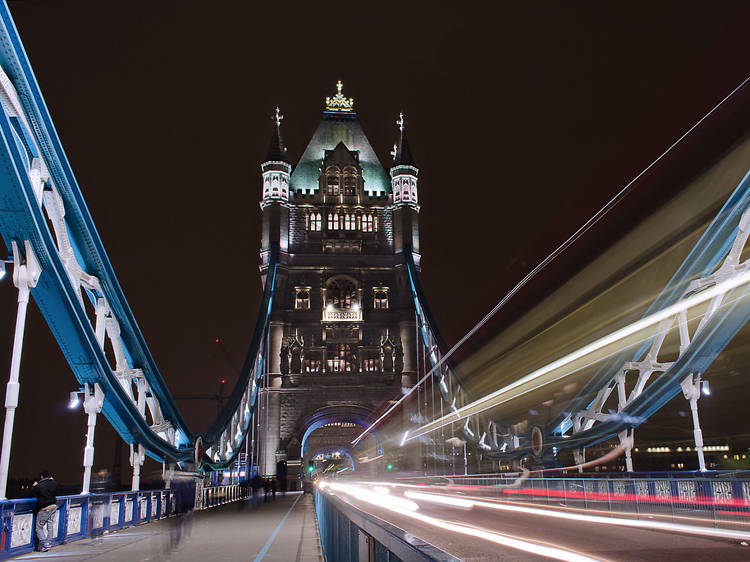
[719, 502]
[81, 516]
[350, 535]
[219, 495]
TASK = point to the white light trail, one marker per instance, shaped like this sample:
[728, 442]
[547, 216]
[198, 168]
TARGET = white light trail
[387, 502]
[639, 523]
[440, 499]
[491, 399]
[541, 265]
[597, 519]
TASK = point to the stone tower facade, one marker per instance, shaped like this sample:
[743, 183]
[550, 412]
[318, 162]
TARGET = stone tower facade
[342, 330]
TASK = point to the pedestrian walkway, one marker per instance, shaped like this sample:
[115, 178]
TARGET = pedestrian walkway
[284, 530]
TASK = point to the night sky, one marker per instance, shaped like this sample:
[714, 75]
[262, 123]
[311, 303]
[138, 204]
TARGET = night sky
[523, 118]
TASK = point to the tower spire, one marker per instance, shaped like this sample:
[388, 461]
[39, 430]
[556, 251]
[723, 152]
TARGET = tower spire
[276, 149]
[401, 152]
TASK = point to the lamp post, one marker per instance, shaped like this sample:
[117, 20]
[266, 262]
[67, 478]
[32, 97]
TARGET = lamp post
[26, 272]
[93, 399]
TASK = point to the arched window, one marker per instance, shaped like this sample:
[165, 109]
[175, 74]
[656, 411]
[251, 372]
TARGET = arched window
[332, 181]
[371, 365]
[381, 298]
[302, 299]
[316, 222]
[341, 358]
[333, 221]
[367, 223]
[348, 222]
[341, 294]
[350, 184]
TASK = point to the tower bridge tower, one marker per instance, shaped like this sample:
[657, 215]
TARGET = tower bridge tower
[342, 329]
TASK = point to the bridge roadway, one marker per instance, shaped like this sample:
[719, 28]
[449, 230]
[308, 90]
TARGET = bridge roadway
[282, 531]
[576, 539]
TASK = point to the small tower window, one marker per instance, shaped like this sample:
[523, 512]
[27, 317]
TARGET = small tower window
[302, 298]
[333, 221]
[341, 359]
[341, 294]
[371, 365]
[349, 222]
[367, 223]
[350, 184]
[332, 183]
[316, 222]
[380, 298]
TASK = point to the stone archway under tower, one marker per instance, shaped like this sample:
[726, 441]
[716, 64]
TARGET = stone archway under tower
[336, 426]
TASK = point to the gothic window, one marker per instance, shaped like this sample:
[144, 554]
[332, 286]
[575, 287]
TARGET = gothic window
[380, 298]
[341, 359]
[341, 294]
[371, 365]
[333, 221]
[302, 298]
[332, 181]
[375, 223]
[348, 222]
[316, 222]
[367, 223]
[275, 184]
[312, 365]
[266, 186]
[307, 221]
[350, 184]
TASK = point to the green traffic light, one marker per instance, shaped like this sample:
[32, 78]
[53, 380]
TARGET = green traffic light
[310, 468]
[389, 467]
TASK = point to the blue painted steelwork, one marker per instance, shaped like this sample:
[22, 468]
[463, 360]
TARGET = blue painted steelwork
[80, 517]
[720, 328]
[26, 141]
[705, 257]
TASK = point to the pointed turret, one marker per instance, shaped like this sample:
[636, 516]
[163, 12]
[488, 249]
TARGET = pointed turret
[401, 152]
[403, 171]
[276, 149]
[276, 170]
[404, 174]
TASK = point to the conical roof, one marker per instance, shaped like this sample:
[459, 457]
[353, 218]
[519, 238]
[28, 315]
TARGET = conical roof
[403, 152]
[276, 149]
[402, 155]
[335, 128]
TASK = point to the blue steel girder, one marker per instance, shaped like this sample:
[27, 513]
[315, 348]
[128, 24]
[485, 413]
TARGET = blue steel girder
[38, 188]
[703, 267]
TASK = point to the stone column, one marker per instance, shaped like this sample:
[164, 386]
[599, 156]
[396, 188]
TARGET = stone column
[407, 329]
[270, 418]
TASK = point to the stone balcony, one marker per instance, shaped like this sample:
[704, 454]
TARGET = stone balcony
[342, 315]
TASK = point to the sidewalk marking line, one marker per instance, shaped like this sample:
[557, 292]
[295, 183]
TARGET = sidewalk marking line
[264, 550]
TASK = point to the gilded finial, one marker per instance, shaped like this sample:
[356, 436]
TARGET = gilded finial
[394, 152]
[339, 102]
[400, 121]
[277, 117]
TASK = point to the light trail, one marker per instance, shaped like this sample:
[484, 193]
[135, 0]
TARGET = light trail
[541, 265]
[619, 521]
[386, 501]
[493, 398]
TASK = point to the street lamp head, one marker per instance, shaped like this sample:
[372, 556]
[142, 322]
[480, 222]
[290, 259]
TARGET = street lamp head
[2, 269]
[74, 400]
